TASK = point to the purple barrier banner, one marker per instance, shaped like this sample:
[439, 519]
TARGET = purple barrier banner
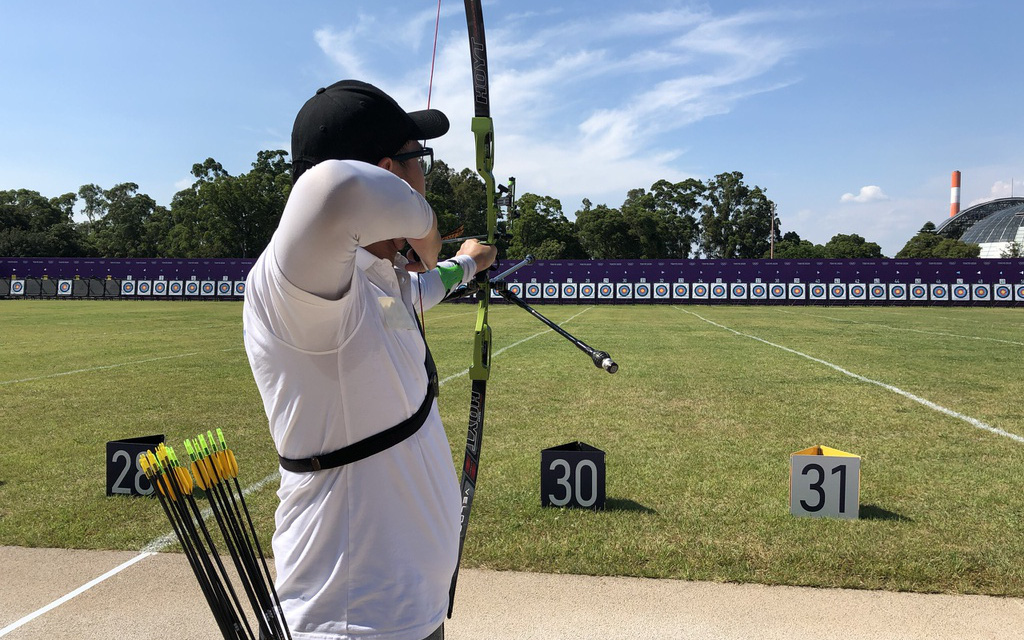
[634, 281]
[125, 268]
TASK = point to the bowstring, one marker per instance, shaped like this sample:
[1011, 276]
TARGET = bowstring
[430, 91]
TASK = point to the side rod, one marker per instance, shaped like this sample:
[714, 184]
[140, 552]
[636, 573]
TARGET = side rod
[601, 358]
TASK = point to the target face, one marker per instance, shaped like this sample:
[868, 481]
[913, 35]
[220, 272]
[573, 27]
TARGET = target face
[837, 292]
[643, 290]
[624, 290]
[738, 291]
[239, 287]
[1003, 292]
[176, 287]
[64, 288]
[797, 291]
[551, 290]
[961, 292]
[160, 288]
[533, 290]
[701, 290]
[127, 288]
[758, 291]
[918, 292]
[940, 292]
[719, 291]
[145, 287]
[605, 290]
[662, 290]
[981, 292]
[877, 292]
[587, 290]
[516, 288]
[777, 292]
[1018, 292]
[192, 288]
[897, 291]
[858, 291]
[18, 287]
[224, 288]
[569, 290]
[208, 288]
[817, 291]
[681, 290]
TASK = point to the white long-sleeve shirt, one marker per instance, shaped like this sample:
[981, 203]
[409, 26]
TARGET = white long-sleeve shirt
[366, 550]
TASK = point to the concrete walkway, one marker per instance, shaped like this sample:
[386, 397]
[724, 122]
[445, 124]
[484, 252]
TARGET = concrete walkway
[157, 597]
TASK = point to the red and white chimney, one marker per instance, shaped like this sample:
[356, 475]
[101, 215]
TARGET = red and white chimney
[954, 195]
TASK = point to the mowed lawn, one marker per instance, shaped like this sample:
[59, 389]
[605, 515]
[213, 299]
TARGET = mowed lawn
[698, 426]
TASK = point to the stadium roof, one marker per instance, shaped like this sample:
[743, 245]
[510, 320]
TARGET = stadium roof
[994, 225]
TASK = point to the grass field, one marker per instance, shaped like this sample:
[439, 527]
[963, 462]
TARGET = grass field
[698, 427]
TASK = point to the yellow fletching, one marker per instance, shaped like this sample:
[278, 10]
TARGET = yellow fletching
[199, 476]
[234, 463]
[167, 488]
[184, 480]
[211, 475]
[218, 462]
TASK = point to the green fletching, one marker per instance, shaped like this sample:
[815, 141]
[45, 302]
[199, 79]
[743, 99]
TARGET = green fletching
[220, 436]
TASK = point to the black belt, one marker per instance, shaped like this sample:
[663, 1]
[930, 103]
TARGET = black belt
[377, 442]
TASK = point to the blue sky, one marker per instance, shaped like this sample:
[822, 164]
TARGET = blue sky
[851, 115]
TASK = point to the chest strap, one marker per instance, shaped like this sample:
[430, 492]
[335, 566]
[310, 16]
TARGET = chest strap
[376, 443]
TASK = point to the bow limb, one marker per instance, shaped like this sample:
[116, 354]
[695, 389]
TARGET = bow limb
[479, 372]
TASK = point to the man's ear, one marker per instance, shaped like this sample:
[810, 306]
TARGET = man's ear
[385, 163]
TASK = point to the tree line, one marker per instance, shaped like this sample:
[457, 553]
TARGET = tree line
[226, 216]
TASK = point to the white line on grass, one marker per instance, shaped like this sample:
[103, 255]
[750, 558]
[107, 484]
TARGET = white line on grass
[108, 366]
[931, 333]
[158, 544]
[453, 315]
[516, 344]
[974, 422]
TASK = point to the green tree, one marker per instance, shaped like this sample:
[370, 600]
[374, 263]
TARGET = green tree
[460, 202]
[792, 247]
[121, 232]
[604, 233]
[850, 247]
[223, 216]
[32, 225]
[928, 244]
[677, 205]
[736, 220]
[541, 229]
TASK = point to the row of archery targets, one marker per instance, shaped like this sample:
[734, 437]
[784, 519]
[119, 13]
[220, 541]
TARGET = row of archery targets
[571, 292]
[745, 292]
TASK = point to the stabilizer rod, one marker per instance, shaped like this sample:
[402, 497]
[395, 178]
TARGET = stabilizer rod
[601, 358]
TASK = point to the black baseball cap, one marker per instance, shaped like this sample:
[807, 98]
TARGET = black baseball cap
[353, 120]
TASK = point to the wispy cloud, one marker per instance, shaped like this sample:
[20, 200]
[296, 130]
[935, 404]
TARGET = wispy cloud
[607, 89]
[870, 193]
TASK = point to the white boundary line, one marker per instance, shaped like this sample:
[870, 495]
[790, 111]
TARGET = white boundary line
[158, 544]
[974, 422]
[931, 333]
[108, 366]
[515, 344]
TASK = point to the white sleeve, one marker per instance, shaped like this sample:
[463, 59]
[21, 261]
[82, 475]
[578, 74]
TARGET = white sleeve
[336, 207]
[430, 288]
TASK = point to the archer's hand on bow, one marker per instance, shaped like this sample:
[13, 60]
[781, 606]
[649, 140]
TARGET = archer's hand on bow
[483, 255]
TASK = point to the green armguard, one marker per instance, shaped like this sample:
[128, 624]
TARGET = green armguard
[451, 275]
